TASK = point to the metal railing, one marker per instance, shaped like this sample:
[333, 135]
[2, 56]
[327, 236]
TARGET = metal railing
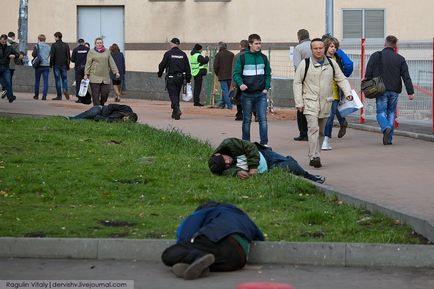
[419, 58]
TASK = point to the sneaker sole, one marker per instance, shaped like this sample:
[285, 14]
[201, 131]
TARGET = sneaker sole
[197, 267]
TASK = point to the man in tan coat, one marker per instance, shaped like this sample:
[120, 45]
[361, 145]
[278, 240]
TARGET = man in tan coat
[313, 94]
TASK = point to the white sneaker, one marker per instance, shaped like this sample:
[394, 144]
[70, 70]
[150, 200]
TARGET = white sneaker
[325, 144]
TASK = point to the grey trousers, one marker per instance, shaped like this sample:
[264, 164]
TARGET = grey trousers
[315, 133]
[100, 93]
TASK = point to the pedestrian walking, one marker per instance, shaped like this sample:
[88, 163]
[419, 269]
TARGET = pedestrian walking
[177, 67]
[60, 61]
[392, 67]
[78, 57]
[244, 45]
[301, 52]
[223, 64]
[119, 59]
[346, 66]
[99, 63]
[312, 94]
[252, 74]
[42, 51]
[199, 68]
[6, 54]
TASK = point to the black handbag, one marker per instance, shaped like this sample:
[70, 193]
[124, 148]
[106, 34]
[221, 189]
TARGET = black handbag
[374, 87]
[36, 62]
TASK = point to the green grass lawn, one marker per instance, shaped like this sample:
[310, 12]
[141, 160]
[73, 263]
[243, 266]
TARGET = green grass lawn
[61, 178]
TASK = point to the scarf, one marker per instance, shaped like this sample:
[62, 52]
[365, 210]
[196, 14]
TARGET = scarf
[100, 50]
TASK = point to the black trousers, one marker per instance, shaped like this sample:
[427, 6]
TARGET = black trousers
[198, 79]
[228, 253]
[174, 86]
[302, 124]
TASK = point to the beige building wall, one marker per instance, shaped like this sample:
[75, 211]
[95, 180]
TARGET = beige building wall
[153, 23]
[407, 20]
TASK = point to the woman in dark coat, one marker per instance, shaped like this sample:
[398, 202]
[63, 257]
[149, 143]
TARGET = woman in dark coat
[119, 59]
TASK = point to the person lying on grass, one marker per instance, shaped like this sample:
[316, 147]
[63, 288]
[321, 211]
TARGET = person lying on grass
[236, 157]
[109, 113]
[215, 237]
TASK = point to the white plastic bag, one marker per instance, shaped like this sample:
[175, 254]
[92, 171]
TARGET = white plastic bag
[189, 95]
[84, 85]
[347, 107]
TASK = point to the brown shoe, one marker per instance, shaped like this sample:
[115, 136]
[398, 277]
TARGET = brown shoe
[179, 269]
[66, 95]
[196, 268]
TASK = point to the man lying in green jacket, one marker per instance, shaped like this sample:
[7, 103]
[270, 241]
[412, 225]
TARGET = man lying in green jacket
[236, 157]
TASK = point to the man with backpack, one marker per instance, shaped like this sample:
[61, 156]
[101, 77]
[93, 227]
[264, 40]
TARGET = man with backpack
[392, 67]
[312, 94]
[252, 74]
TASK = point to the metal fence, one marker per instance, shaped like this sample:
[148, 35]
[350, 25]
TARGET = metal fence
[419, 58]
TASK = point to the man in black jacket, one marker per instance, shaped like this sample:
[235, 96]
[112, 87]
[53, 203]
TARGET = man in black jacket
[109, 113]
[6, 54]
[59, 60]
[177, 67]
[79, 55]
[391, 67]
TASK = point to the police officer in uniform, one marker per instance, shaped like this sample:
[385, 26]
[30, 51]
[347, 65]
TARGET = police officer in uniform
[79, 56]
[177, 67]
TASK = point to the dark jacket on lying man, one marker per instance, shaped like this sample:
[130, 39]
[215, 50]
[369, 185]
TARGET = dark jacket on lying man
[109, 113]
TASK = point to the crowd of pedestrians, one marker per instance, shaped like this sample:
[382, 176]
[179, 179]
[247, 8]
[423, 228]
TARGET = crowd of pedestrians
[100, 65]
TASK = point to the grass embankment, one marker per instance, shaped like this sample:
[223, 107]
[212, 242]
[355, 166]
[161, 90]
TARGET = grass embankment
[60, 178]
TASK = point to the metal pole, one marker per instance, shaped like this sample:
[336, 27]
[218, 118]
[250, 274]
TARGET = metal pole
[362, 74]
[329, 17]
[23, 28]
[432, 89]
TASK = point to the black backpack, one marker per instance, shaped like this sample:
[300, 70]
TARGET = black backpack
[307, 61]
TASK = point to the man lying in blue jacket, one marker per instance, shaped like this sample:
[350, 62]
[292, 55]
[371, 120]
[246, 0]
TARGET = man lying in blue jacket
[215, 237]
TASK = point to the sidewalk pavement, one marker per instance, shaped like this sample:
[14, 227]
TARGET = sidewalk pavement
[147, 275]
[396, 179]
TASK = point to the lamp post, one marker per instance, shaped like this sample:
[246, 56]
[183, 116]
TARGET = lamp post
[23, 28]
[329, 17]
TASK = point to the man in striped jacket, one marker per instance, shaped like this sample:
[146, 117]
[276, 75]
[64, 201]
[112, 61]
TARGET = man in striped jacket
[252, 74]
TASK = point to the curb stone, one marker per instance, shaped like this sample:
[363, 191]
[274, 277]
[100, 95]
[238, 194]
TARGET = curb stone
[370, 128]
[294, 253]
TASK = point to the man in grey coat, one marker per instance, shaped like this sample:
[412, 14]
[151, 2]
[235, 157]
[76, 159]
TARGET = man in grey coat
[302, 51]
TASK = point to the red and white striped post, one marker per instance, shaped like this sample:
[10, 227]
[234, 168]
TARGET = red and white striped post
[362, 73]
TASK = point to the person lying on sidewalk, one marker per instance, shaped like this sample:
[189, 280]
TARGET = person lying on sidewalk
[236, 157]
[215, 237]
[109, 113]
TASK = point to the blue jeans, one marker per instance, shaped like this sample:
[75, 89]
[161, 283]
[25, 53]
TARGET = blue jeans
[44, 71]
[386, 108]
[90, 113]
[225, 85]
[5, 79]
[329, 125]
[257, 101]
[60, 77]
[275, 160]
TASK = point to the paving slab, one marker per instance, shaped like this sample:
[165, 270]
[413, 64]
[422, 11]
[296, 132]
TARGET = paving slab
[398, 177]
[148, 275]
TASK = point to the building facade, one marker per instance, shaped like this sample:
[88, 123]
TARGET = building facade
[142, 28]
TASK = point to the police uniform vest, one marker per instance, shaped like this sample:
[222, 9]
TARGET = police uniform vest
[196, 66]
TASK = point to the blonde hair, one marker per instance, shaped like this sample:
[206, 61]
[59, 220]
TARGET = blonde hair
[42, 38]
